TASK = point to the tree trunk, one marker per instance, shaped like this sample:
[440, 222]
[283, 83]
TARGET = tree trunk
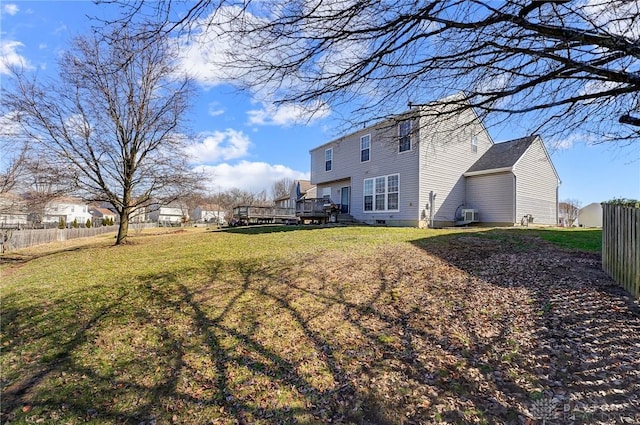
[123, 227]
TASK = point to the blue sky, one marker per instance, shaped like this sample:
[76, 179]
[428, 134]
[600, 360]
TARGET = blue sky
[245, 143]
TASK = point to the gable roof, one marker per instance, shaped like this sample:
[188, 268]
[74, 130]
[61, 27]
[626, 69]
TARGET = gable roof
[501, 156]
[101, 211]
[305, 185]
[456, 100]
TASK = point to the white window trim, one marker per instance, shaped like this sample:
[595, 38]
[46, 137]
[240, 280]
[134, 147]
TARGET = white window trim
[330, 150]
[326, 192]
[409, 134]
[386, 195]
[369, 148]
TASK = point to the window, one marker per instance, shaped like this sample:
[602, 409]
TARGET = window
[404, 136]
[368, 195]
[381, 189]
[328, 159]
[474, 144]
[392, 192]
[381, 193]
[365, 147]
[326, 193]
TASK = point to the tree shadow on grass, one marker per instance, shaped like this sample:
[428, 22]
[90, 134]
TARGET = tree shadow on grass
[413, 334]
[585, 355]
[247, 342]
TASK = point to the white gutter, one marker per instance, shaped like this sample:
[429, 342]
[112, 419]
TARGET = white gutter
[491, 171]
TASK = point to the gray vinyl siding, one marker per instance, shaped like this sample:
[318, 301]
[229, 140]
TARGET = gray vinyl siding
[536, 186]
[335, 187]
[384, 160]
[493, 196]
[444, 157]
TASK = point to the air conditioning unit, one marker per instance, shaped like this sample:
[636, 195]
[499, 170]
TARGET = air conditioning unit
[470, 215]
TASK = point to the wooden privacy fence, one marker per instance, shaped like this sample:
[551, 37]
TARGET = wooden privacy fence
[621, 245]
[16, 239]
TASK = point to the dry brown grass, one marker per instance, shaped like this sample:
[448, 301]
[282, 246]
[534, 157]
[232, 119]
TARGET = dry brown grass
[342, 325]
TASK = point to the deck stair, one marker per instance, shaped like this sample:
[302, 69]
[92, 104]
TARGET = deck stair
[346, 218]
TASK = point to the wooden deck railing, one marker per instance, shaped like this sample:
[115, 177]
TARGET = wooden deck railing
[315, 206]
[249, 214]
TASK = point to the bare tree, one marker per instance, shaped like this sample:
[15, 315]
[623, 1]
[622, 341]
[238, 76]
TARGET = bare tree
[281, 188]
[569, 66]
[13, 169]
[43, 181]
[234, 197]
[113, 117]
[568, 210]
[28, 183]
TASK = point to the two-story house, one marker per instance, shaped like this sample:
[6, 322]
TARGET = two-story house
[14, 211]
[419, 170]
[67, 210]
[172, 214]
[208, 213]
[99, 215]
[300, 189]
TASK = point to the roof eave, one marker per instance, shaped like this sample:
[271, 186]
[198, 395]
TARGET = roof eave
[489, 171]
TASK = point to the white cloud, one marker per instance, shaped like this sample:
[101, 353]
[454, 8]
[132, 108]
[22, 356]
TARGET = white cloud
[209, 51]
[10, 9]
[618, 17]
[569, 141]
[9, 126]
[288, 114]
[215, 109]
[250, 176]
[219, 146]
[9, 56]
[204, 51]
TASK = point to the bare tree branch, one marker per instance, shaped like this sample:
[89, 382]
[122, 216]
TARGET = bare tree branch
[113, 117]
[568, 66]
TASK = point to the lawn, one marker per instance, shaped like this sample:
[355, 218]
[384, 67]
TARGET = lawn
[302, 325]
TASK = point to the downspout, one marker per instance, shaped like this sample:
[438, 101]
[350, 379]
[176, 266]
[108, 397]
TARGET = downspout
[432, 201]
[557, 204]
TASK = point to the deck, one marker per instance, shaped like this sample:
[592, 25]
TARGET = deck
[247, 214]
[316, 210]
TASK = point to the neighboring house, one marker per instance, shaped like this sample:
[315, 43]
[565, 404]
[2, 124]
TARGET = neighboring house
[139, 215]
[412, 171]
[171, 214]
[67, 209]
[590, 215]
[208, 213]
[99, 214]
[14, 211]
[300, 189]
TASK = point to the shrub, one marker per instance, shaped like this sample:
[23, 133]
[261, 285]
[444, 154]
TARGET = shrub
[634, 203]
[75, 223]
[88, 223]
[61, 223]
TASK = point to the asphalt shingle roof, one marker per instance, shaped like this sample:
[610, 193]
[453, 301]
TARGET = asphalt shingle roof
[502, 155]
